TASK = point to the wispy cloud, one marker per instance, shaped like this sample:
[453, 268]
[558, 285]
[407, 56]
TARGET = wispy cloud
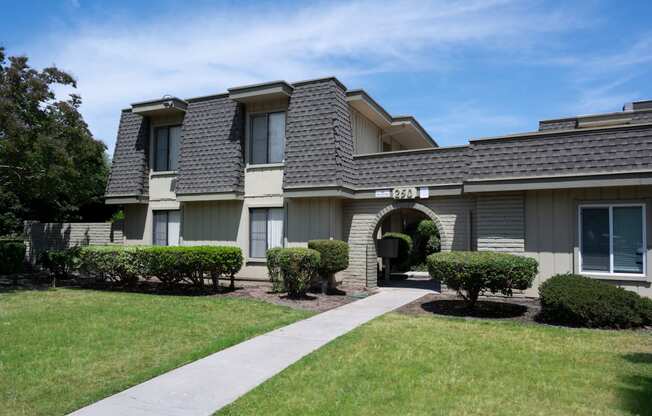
[195, 54]
[452, 126]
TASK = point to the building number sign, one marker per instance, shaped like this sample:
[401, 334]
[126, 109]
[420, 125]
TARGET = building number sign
[404, 193]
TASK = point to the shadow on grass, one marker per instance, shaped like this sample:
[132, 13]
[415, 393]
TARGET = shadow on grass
[483, 309]
[40, 282]
[636, 390]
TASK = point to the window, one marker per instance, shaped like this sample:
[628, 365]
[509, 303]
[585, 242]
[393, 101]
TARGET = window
[267, 138]
[265, 230]
[167, 227]
[612, 239]
[167, 141]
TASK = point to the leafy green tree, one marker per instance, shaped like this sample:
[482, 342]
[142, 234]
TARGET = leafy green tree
[51, 167]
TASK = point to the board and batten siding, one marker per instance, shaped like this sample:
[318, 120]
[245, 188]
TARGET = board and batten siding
[366, 135]
[500, 223]
[551, 229]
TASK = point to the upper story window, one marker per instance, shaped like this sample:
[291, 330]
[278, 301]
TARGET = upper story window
[167, 141]
[267, 138]
[612, 239]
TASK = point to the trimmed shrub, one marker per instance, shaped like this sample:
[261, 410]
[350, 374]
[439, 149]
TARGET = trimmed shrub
[274, 269]
[122, 264]
[426, 241]
[334, 258]
[12, 256]
[570, 299]
[298, 267]
[473, 272]
[171, 265]
[402, 263]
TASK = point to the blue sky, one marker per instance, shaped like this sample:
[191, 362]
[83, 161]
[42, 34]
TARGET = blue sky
[464, 69]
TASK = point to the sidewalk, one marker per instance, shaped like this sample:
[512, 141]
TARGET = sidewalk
[206, 385]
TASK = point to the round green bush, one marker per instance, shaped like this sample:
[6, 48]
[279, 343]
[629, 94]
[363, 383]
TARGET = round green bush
[334, 257]
[402, 263]
[274, 269]
[298, 267]
[575, 300]
[12, 256]
[473, 272]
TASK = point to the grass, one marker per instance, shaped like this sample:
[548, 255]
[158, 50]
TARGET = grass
[407, 365]
[65, 348]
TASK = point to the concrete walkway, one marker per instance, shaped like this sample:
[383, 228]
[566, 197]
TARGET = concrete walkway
[205, 386]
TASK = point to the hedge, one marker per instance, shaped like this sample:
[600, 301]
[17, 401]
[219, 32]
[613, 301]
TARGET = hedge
[171, 265]
[334, 256]
[298, 266]
[575, 300]
[12, 256]
[473, 272]
[402, 263]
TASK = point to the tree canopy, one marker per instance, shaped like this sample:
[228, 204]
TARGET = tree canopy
[51, 167]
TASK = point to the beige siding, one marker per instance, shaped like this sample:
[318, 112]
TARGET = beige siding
[313, 218]
[162, 186]
[265, 181]
[551, 229]
[500, 223]
[366, 135]
[138, 224]
[213, 222]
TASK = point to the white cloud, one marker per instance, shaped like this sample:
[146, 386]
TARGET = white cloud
[123, 61]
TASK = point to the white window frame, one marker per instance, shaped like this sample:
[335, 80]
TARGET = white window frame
[266, 209]
[167, 226]
[250, 136]
[611, 243]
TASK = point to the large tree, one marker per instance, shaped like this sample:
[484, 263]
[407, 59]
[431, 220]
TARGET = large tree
[51, 167]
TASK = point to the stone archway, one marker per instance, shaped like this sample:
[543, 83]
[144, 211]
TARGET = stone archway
[371, 261]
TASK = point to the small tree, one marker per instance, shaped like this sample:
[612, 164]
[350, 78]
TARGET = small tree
[334, 258]
[472, 272]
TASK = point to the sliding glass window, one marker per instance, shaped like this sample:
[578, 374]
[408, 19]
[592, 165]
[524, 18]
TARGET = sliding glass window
[167, 142]
[265, 230]
[267, 138]
[612, 239]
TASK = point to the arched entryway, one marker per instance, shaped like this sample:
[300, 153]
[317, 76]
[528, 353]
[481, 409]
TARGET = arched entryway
[407, 212]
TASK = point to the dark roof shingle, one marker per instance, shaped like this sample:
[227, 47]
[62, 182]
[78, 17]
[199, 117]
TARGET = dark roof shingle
[129, 169]
[211, 159]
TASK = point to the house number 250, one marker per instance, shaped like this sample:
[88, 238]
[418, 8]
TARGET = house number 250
[404, 193]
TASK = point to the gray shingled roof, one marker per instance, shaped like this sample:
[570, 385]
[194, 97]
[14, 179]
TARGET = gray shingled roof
[571, 152]
[443, 165]
[211, 159]
[129, 169]
[319, 147]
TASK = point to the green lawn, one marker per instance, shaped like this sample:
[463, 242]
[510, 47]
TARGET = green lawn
[65, 348]
[406, 365]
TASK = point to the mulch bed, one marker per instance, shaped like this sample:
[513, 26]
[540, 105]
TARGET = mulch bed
[313, 301]
[502, 308]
